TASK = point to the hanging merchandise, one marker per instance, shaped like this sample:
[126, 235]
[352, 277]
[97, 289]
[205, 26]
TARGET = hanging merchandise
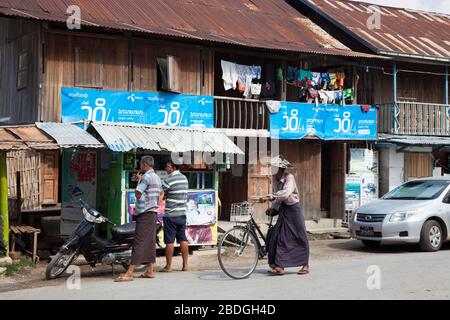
[229, 74]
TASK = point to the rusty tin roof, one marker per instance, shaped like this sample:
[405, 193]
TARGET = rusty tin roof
[265, 24]
[25, 137]
[401, 32]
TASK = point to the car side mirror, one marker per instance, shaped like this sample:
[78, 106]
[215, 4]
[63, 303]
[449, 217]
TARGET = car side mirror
[446, 199]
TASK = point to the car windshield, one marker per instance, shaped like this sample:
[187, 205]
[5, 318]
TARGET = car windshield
[418, 190]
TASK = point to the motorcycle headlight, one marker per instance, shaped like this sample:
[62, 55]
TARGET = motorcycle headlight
[402, 216]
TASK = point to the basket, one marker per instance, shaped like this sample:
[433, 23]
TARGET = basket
[241, 212]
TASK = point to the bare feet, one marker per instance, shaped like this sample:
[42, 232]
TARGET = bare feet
[166, 269]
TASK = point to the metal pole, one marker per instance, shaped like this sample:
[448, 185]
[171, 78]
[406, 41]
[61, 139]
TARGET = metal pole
[446, 86]
[395, 107]
[4, 201]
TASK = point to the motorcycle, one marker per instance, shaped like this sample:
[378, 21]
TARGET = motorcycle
[95, 249]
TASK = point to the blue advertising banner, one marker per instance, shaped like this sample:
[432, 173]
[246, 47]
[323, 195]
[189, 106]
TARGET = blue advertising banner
[328, 122]
[152, 108]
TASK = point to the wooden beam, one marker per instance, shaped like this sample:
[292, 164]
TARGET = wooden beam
[4, 201]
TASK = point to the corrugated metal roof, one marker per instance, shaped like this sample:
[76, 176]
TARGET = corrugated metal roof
[24, 137]
[402, 32]
[414, 140]
[69, 135]
[125, 137]
[264, 24]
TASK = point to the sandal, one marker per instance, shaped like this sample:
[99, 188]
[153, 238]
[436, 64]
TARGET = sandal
[276, 272]
[147, 275]
[124, 278]
[303, 272]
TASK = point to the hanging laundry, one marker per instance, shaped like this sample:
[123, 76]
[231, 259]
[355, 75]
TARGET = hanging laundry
[333, 77]
[305, 75]
[348, 94]
[325, 97]
[339, 97]
[315, 79]
[340, 78]
[255, 89]
[269, 89]
[279, 74]
[313, 96]
[324, 80]
[292, 74]
[229, 74]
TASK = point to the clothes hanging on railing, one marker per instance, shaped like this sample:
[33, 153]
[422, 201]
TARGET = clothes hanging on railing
[241, 77]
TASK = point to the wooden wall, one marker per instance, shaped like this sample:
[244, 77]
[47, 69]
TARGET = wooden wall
[376, 86]
[116, 64]
[28, 163]
[306, 158]
[19, 37]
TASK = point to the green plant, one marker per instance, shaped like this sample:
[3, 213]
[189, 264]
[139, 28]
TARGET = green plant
[18, 266]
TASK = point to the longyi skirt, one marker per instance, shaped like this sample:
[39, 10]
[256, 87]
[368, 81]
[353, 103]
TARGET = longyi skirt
[144, 243]
[288, 245]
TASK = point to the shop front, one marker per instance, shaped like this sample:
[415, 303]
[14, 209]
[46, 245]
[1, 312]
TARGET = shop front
[199, 152]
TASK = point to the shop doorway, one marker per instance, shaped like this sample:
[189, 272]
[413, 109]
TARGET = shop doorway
[334, 163]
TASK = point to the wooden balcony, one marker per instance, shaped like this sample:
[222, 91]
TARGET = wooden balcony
[414, 118]
[233, 113]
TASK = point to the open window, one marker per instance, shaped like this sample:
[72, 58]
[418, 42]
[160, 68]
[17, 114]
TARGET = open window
[169, 74]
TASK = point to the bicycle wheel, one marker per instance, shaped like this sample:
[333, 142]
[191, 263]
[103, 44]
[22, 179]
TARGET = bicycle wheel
[238, 253]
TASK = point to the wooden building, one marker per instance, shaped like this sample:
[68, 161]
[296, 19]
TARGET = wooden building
[411, 90]
[112, 51]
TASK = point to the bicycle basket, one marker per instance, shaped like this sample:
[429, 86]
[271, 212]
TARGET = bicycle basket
[241, 212]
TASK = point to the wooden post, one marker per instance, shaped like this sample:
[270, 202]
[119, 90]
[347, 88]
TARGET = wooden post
[4, 201]
[19, 197]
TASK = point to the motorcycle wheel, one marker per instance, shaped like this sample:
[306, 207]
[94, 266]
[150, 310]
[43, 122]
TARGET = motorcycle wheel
[59, 264]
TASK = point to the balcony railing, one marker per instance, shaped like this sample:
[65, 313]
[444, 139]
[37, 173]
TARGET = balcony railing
[414, 118]
[233, 113]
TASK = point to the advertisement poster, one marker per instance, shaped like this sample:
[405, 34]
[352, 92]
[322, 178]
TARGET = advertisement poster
[295, 121]
[201, 216]
[352, 192]
[151, 108]
[363, 168]
[79, 181]
[201, 208]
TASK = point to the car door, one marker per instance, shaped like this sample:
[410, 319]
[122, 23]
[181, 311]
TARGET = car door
[446, 208]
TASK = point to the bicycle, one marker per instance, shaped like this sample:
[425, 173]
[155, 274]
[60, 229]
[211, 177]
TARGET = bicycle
[240, 248]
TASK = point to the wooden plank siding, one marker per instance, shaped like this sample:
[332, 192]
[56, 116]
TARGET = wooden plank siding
[418, 165]
[19, 37]
[75, 61]
[306, 158]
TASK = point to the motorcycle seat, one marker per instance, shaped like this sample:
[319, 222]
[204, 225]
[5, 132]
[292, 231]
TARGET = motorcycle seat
[124, 230]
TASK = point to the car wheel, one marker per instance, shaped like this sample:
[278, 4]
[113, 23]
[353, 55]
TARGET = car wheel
[371, 244]
[431, 236]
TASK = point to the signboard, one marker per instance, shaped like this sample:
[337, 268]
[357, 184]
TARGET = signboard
[151, 108]
[295, 121]
[79, 181]
[201, 216]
